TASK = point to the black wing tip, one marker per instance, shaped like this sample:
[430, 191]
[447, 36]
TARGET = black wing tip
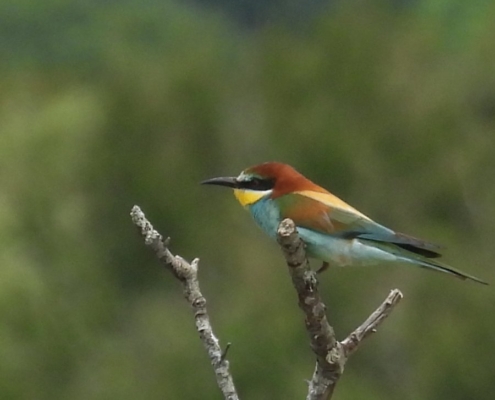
[419, 250]
[464, 277]
[477, 280]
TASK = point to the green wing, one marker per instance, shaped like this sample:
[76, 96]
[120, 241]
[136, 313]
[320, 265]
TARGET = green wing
[326, 213]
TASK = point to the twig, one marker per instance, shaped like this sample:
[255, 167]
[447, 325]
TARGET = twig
[331, 355]
[351, 342]
[188, 275]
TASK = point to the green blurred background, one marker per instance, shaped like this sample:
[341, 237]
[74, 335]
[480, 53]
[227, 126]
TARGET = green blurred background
[107, 104]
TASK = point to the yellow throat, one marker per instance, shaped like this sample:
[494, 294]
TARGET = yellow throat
[247, 197]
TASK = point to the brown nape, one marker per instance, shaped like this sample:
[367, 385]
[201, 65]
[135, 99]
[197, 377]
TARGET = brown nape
[287, 179]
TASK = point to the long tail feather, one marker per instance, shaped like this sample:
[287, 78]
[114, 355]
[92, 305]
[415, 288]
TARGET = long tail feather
[438, 266]
[405, 256]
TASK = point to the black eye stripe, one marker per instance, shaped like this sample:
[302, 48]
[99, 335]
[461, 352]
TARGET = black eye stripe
[257, 184]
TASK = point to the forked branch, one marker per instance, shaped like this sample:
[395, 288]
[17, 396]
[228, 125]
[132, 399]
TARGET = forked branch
[331, 355]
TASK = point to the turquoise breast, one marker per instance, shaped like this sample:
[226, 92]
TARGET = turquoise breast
[267, 215]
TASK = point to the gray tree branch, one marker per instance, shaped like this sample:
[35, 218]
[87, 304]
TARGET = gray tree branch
[331, 355]
[351, 342]
[187, 274]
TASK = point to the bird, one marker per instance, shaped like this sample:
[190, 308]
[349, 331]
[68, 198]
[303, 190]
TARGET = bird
[333, 231]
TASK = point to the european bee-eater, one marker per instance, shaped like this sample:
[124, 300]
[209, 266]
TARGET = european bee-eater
[333, 231]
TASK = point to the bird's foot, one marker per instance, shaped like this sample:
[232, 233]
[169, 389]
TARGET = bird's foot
[324, 267]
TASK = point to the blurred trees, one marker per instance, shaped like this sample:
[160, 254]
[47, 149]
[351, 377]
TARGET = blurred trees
[108, 104]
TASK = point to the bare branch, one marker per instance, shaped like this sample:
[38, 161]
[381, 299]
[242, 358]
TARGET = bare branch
[188, 275]
[331, 355]
[351, 342]
[330, 358]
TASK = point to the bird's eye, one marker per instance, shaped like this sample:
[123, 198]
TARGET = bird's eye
[255, 183]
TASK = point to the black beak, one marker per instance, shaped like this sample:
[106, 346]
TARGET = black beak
[224, 181]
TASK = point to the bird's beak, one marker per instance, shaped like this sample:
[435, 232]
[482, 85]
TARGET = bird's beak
[223, 181]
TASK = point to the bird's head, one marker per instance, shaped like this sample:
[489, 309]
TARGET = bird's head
[271, 179]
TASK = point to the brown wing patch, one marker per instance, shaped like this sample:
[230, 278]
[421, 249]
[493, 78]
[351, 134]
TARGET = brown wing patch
[311, 214]
[334, 202]
[314, 216]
